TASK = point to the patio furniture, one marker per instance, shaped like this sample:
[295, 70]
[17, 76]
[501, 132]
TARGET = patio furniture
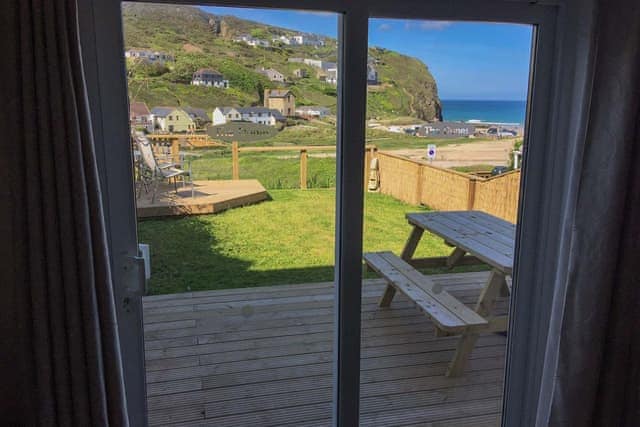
[151, 171]
[490, 239]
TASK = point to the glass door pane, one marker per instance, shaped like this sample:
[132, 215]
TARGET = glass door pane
[446, 109]
[234, 113]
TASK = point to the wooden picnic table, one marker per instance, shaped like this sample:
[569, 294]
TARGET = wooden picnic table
[488, 239]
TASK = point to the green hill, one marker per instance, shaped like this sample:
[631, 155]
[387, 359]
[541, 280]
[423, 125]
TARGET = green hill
[202, 40]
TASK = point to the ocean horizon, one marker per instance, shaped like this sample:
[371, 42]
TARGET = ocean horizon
[456, 110]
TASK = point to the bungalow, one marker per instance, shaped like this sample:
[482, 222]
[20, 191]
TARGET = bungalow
[312, 111]
[248, 40]
[209, 77]
[446, 130]
[198, 115]
[273, 75]
[152, 57]
[280, 99]
[300, 73]
[172, 119]
[372, 75]
[140, 116]
[259, 115]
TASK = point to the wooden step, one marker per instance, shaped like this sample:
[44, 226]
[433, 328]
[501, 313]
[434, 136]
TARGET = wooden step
[447, 312]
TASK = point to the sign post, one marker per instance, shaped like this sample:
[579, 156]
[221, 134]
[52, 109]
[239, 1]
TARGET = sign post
[431, 152]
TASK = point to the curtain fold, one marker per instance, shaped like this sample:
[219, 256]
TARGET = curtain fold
[62, 361]
[597, 379]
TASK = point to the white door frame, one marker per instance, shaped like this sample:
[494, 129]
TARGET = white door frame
[545, 197]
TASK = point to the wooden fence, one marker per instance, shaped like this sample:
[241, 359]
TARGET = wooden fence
[418, 182]
[303, 150]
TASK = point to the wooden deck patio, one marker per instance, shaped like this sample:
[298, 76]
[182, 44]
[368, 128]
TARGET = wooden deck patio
[262, 357]
[209, 197]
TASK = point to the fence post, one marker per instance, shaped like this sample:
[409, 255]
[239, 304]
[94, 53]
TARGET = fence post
[471, 198]
[303, 169]
[235, 168]
[175, 150]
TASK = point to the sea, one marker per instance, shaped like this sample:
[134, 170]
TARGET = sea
[503, 112]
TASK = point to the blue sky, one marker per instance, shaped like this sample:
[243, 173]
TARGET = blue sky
[469, 60]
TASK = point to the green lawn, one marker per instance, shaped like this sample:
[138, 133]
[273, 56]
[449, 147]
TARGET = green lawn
[288, 239]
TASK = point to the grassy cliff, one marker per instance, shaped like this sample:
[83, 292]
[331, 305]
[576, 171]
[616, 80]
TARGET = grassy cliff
[197, 41]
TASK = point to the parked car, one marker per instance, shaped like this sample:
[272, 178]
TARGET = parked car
[499, 170]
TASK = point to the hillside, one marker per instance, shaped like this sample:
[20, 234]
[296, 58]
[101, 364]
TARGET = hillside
[201, 40]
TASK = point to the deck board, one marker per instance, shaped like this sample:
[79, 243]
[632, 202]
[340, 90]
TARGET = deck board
[209, 197]
[263, 357]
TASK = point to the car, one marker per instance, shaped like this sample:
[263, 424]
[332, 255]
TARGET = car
[499, 170]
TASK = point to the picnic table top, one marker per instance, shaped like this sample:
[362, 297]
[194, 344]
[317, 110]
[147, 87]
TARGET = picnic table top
[488, 238]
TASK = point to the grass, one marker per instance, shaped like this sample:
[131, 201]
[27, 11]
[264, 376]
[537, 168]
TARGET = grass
[289, 239]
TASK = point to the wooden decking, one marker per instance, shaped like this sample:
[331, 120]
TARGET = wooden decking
[262, 357]
[210, 197]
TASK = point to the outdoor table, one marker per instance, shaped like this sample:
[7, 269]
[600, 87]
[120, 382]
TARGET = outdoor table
[489, 239]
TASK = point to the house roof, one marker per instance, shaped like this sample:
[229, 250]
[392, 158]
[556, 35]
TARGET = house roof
[278, 93]
[138, 109]
[162, 111]
[312, 108]
[208, 71]
[197, 113]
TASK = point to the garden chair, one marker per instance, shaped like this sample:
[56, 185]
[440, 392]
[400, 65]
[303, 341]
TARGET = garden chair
[152, 172]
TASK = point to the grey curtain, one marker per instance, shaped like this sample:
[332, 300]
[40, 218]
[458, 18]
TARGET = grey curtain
[597, 377]
[60, 358]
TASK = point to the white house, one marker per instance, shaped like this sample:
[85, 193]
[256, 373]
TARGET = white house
[313, 62]
[153, 57]
[260, 115]
[247, 39]
[312, 111]
[208, 77]
[332, 76]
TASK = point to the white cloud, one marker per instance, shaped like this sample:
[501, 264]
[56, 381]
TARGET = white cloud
[385, 27]
[427, 25]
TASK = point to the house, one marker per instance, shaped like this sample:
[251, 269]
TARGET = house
[313, 62]
[259, 115]
[296, 60]
[446, 130]
[332, 76]
[280, 99]
[248, 40]
[312, 111]
[300, 73]
[209, 77]
[198, 115]
[273, 75]
[140, 116]
[172, 119]
[152, 57]
[372, 75]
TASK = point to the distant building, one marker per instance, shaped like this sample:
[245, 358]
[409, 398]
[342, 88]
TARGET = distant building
[300, 73]
[446, 130]
[247, 39]
[172, 119]
[273, 75]
[332, 76]
[280, 99]
[372, 75]
[296, 60]
[312, 111]
[198, 115]
[313, 62]
[152, 57]
[140, 116]
[208, 77]
[259, 115]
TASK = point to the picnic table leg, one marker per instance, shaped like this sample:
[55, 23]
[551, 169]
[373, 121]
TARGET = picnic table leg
[455, 257]
[412, 243]
[407, 254]
[484, 306]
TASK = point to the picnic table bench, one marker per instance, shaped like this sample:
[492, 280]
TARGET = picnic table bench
[487, 239]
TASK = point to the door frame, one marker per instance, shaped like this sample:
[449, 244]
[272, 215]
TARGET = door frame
[545, 198]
